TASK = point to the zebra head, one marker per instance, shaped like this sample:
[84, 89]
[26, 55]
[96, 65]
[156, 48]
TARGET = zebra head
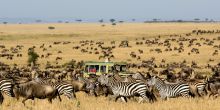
[152, 81]
[103, 79]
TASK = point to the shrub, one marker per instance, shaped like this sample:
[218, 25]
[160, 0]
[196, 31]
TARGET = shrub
[51, 27]
[32, 57]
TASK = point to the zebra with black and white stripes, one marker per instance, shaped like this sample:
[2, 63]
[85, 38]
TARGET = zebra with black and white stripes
[169, 90]
[126, 89]
[62, 87]
[6, 87]
[198, 89]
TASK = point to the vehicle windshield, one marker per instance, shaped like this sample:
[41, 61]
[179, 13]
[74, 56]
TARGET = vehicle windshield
[92, 68]
[120, 68]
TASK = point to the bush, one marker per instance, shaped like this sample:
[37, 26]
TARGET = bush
[51, 27]
[113, 24]
[32, 57]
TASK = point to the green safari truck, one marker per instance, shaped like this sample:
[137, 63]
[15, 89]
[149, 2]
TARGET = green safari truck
[98, 68]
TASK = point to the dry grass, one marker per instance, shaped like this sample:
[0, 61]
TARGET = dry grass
[85, 102]
[37, 34]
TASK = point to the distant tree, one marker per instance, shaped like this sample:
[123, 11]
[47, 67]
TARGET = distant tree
[38, 21]
[211, 20]
[154, 20]
[206, 19]
[133, 20]
[196, 19]
[113, 24]
[112, 20]
[51, 27]
[101, 20]
[79, 20]
[179, 20]
[59, 21]
[32, 57]
[5, 22]
[66, 21]
[120, 21]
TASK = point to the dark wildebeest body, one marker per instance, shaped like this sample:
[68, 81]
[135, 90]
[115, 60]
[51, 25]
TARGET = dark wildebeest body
[1, 98]
[31, 90]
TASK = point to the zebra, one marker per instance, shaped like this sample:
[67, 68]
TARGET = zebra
[126, 89]
[62, 87]
[198, 88]
[169, 90]
[6, 87]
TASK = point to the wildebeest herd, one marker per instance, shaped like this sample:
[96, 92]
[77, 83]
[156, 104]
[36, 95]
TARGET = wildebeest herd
[32, 84]
[161, 80]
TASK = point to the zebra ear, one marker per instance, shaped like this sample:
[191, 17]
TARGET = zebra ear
[148, 75]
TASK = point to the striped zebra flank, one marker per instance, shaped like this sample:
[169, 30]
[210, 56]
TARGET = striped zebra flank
[169, 90]
[198, 89]
[126, 89]
[6, 87]
[62, 87]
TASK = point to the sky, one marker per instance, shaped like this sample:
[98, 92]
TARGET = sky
[106, 9]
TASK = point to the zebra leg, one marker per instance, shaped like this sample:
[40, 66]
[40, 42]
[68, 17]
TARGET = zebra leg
[34, 102]
[50, 100]
[124, 99]
[164, 98]
[140, 100]
[185, 95]
[143, 97]
[112, 97]
[116, 98]
[59, 96]
[151, 96]
[198, 92]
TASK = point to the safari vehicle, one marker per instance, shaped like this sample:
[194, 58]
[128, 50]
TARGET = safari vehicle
[98, 68]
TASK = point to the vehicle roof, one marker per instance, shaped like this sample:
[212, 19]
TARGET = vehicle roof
[104, 63]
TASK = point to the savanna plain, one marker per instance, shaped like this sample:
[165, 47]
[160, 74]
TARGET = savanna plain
[137, 34]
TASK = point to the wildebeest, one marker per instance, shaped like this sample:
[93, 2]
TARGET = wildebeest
[1, 98]
[32, 89]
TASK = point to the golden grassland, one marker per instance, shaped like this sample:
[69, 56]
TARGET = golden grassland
[85, 102]
[37, 34]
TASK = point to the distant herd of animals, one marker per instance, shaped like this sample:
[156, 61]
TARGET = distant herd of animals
[147, 86]
[102, 51]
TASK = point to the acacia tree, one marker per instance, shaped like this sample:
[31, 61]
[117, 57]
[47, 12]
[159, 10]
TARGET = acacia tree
[32, 57]
[112, 21]
[196, 19]
[101, 20]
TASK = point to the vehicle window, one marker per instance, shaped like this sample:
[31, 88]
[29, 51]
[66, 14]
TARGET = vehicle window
[97, 68]
[94, 68]
[123, 68]
[110, 69]
[86, 69]
[103, 69]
